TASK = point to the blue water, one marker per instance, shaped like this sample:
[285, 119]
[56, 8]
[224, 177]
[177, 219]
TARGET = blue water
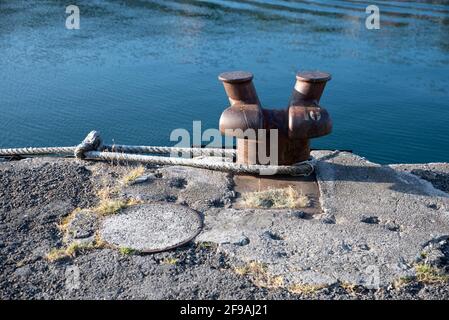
[136, 70]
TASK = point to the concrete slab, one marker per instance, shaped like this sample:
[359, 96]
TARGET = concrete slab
[435, 173]
[151, 227]
[375, 224]
[303, 185]
[200, 189]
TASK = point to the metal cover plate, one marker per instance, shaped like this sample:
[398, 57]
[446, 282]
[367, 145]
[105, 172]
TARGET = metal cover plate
[305, 185]
[152, 227]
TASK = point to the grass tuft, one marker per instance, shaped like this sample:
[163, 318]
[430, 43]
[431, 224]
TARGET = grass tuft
[402, 281]
[276, 198]
[67, 252]
[306, 289]
[127, 251]
[107, 192]
[64, 224]
[258, 273]
[170, 261]
[56, 254]
[132, 175]
[349, 287]
[108, 207]
[430, 275]
[206, 245]
[99, 243]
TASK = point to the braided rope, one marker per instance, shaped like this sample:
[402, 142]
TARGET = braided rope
[119, 148]
[91, 148]
[90, 143]
[303, 168]
[166, 150]
[37, 151]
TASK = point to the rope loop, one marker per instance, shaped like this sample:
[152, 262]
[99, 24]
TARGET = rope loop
[92, 142]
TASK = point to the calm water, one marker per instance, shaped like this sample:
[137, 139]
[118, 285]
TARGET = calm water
[138, 69]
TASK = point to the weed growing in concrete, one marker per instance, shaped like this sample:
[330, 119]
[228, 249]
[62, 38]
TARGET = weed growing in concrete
[306, 289]
[170, 261]
[430, 275]
[258, 273]
[132, 175]
[127, 251]
[112, 206]
[276, 198]
[67, 252]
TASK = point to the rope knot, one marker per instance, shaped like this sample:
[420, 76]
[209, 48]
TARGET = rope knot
[92, 142]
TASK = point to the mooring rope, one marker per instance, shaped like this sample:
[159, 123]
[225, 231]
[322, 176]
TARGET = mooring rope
[119, 148]
[92, 148]
[166, 150]
[303, 168]
[37, 151]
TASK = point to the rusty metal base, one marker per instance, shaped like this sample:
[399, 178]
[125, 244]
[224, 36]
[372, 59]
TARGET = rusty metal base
[304, 185]
[290, 151]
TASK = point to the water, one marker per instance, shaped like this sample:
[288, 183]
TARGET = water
[136, 70]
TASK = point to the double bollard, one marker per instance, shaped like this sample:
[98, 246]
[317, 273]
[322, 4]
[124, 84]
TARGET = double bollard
[287, 131]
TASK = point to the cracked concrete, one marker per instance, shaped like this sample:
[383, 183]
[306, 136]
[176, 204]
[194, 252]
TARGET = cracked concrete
[404, 212]
[199, 189]
[377, 222]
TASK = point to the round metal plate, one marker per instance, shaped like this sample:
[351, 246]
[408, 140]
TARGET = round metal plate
[152, 227]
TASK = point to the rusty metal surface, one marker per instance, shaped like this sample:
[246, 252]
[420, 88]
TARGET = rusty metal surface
[239, 87]
[309, 87]
[304, 185]
[241, 116]
[303, 119]
[308, 121]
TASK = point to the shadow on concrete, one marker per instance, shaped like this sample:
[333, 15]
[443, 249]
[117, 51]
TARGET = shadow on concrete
[400, 181]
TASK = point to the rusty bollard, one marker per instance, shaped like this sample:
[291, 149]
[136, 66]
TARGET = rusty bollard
[302, 120]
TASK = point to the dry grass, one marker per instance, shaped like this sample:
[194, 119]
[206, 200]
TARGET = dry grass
[132, 175]
[75, 248]
[430, 275]
[107, 192]
[68, 252]
[349, 287]
[276, 198]
[206, 245]
[109, 204]
[127, 251]
[112, 206]
[259, 275]
[63, 225]
[99, 243]
[424, 274]
[402, 281]
[170, 261]
[306, 289]
[56, 254]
